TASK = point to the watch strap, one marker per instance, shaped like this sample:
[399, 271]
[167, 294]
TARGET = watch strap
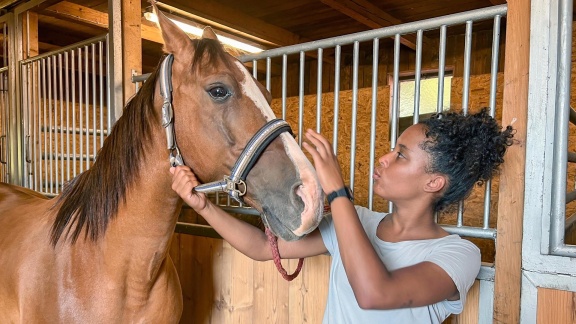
[342, 192]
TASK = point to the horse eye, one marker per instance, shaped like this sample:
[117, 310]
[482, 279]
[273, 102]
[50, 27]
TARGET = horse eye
[219, 93]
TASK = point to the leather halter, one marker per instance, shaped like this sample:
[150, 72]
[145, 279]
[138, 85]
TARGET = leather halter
[234, 184]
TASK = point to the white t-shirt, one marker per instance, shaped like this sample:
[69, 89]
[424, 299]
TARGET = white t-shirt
[458, 257]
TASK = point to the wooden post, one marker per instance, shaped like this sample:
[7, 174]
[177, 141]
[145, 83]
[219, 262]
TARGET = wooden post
[511, 195]
[131, 36]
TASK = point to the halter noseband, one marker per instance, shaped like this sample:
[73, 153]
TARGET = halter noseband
[235, 184]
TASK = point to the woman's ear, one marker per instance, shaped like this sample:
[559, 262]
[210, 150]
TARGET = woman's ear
[435, 183]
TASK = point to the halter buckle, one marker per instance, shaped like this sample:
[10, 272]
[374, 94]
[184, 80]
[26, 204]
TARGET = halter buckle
[233, 186]
[176, 159]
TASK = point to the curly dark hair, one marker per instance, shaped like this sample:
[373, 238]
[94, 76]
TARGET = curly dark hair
[467, 149]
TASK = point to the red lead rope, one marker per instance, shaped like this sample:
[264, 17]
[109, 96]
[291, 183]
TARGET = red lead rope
[274, 245]
[273, 240]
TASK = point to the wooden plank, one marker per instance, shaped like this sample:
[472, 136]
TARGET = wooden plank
[471, 311]
[555, 306]
[241, 289]
[231, 20]
[370, 15]
[308, 296]
[270, 294]
[511, 193]
[30, 38]
[131, 37]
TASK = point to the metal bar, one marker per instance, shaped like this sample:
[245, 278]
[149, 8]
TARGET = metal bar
[427, 24]
[94, 147]
[73, 77]
[301, 98]
[80, 108]
[337, 59]
[67, 98]
[560, 154]
[284, 91]
[64, 49]
[61, 100]
[356, 51]
[319, 92]
[441, 68]
[375, 51]
[393, 116]
[268, 72]
[87, 98]
[101, 79]
[417, 77]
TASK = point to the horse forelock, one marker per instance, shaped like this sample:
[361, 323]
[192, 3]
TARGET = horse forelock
[91, 199]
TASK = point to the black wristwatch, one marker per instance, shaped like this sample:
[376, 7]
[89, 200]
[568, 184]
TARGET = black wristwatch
[342, 192]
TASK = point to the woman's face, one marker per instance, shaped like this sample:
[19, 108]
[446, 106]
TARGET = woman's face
[401, 174]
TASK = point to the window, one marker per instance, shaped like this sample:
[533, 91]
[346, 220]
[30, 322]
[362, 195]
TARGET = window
[428, 94]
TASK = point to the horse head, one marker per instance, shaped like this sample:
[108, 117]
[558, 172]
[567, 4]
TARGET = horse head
[217, 109]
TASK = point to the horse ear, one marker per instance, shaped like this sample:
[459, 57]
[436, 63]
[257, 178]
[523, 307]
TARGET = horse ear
[209, 33]
[175, 40]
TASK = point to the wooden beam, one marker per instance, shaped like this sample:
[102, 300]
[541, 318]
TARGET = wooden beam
[497, 2]
[508, 275]
[132, 44]
[30, 34]
[77, 13]
[228, 19]
[370, 15]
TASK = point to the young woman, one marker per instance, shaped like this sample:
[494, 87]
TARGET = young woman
[399, 267]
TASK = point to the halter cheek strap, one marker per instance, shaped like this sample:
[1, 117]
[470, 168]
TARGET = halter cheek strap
[168, 111]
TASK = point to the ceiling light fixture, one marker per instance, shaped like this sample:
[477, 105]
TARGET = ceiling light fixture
[193, 30]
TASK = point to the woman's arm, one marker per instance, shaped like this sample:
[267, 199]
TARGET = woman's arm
[374, 286]
[244, 237]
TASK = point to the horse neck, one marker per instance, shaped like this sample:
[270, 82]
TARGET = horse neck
[139, 237]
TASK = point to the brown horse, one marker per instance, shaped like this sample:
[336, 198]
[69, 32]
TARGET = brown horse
[98, 253]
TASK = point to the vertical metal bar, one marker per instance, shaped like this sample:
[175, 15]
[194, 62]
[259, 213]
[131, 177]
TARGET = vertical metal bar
[55, 129]
[62, 130]
[560, 155]
[50, 126]
[338, 50]
[441, 68]
[87, 103]
[301, 98]
[100, 64]
[94, 133]
[493, 84]
[395, 104]
[255, 69]
[44, 130]
[319, 92]
[28, 109]
[466, 76]
[356, 51]
[73, 87]
[80, 110]
[268, 72]
[417, 77]
[284, 92]
[465, 97]
[67, 86]
[36, 124]
[375, 54]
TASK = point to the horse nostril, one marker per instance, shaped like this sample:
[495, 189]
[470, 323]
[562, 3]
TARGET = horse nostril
[297, 196]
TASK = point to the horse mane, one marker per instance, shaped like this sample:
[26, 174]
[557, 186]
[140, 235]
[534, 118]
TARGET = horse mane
[91, 199]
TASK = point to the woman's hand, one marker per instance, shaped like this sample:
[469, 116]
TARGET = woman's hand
[183, 183]
[325, 162]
